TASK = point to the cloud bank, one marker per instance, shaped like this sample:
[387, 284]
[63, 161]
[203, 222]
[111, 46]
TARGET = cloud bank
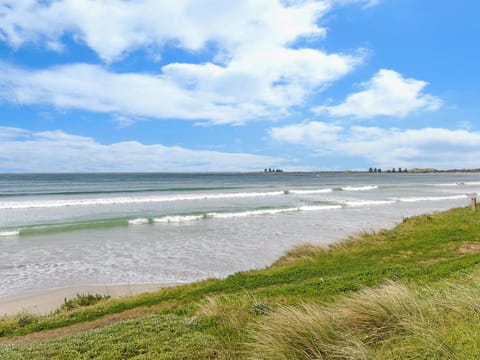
[256, 69]
[387, 148]
[56, 151]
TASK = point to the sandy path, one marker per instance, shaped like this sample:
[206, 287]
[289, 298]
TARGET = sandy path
[85, 326]
[47, 301]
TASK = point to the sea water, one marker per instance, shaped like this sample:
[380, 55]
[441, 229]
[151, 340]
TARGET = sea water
[70, 229]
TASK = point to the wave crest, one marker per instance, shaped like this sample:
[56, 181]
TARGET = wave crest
[178, 218]
[138, 221]
[9, 233]
[310, 192]
[359, 188]
[361, 203]
[431, 198]
[129, 200]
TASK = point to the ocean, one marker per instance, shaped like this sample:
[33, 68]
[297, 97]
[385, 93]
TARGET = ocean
[60, 230]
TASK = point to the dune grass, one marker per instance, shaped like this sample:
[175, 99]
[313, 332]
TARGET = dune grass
[409, 292]
[391, 321]
[82, 300]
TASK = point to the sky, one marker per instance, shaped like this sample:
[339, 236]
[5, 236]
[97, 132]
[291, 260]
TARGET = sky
[219, 85]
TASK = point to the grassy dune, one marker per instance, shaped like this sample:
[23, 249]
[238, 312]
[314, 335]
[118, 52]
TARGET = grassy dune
[409, 292]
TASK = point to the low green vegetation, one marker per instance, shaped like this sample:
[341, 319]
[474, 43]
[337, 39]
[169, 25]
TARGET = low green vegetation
[165, 337]
[409, 292]
[82, 300]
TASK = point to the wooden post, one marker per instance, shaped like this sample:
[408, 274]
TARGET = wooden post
[474, 204]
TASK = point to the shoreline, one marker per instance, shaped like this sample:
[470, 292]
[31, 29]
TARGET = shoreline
[428, 263]
[45, 301]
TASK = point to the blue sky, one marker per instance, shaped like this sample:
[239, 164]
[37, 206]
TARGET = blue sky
[216, 85]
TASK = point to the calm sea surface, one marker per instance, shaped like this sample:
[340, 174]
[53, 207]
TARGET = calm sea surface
[72, 229]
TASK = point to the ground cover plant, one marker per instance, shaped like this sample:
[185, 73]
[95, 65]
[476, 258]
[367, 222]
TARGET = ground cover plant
[408, 292]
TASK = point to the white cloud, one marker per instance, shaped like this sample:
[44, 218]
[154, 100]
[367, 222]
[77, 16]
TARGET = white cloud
[255, 71]
[365, 3]
[386, 94]
[10, 133]
[426, 147]
[90, 87]
[57, 151]
[184, 91]
[114, 27]
[312, 133]
[123, 121]
[370, 3]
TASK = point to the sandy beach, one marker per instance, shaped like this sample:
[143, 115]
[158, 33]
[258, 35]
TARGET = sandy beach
[43, 302]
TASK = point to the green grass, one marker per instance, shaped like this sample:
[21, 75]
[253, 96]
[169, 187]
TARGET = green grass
[165, 337]
[82, 300]
[393, 321]
[429, 259]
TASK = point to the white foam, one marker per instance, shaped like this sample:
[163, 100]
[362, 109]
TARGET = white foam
[231, 215]
[178, 218]
[448, 184]
[360, 203]
[129, 200]
[468, 183]
[360, 188]
[250, 213]
[273, 211]
[431, 198]
[9, 233]
[319, 207]
[139, 221]
[309, 192]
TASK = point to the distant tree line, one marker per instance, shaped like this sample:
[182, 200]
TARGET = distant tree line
[393, 170]
[270, 170]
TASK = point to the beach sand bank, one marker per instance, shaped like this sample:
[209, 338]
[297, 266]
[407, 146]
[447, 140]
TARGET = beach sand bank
[43, 302]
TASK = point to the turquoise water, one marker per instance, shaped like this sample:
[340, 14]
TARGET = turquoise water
[69, 229]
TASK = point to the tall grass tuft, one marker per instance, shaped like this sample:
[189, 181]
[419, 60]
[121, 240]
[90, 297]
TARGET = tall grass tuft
[229, 308]
[385, 322]
[25, 318]
[304, 252]
[357, 239]
[303, 332]
[375, 314]
[458, 298]
[231, 314]
[82, 300]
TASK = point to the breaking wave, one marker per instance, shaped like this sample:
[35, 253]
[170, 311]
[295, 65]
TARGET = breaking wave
[9, 233]
[129, 200]
[361, 203]
[359, 188]
[310, 192]
[230, 215]
[19, 205]
[430, 198]
[51, 228]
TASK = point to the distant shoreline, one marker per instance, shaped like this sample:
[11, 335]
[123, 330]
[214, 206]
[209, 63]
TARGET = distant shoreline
[283, 172]
[413, 171]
